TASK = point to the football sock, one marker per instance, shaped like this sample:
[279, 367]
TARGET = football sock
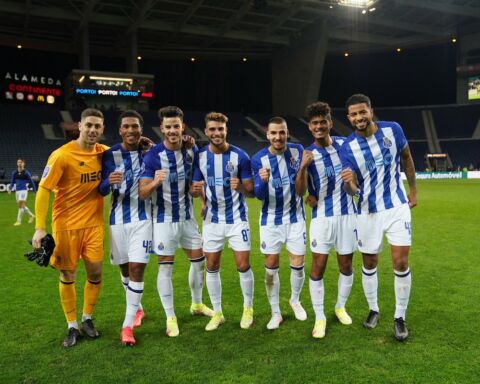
[165, 287]
[317, 294]
[370, 287]
[247, 283]
[403, 284]
[19, 215]
[28, 211]
[214, 287]
[272, 285]
[134, 295]
[297, 278]
[91, 292]
[195, 279]
[68, 298]
[125, 281]
[345, 283]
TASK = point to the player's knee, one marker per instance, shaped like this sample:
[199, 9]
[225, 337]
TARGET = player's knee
[213, 265]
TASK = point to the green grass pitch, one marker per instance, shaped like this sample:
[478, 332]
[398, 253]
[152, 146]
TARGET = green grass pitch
[442, 317]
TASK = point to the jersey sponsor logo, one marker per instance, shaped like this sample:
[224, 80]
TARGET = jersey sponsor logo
[379, 161]
[332, 171]
[91, 176]
[279, 182]
[387, 142]
[174, 177]
[218, 181]
[230, 167]
[45, 172]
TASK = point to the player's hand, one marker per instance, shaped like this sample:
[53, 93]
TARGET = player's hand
[115, 177]
[188, 141]
[347, 175]
[311, 201]
[264, 174]
[412, 199]
[197, 187]
[160, 176]
[39, 234]
[307, 158]
[145, 143]
[235, 183]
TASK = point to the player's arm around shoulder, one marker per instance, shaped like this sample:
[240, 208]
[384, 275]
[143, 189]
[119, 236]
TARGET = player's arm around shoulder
[409, 169]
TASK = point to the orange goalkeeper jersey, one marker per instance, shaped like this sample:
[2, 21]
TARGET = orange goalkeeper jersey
[74, 175]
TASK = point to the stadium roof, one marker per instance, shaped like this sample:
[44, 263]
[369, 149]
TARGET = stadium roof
[230, 28]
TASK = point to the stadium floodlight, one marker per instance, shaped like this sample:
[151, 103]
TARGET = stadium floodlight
[357, 3]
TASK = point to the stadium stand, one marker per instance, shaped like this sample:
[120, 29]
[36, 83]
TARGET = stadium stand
[34, 131]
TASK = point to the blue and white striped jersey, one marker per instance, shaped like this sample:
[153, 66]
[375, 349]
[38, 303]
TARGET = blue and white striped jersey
[224, 205]
[171, 201]
[376, 162]
[281, 205]
[21, 180]
[126, 205]
[325, 181]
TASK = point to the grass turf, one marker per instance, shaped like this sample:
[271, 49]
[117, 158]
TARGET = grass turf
[442, 348]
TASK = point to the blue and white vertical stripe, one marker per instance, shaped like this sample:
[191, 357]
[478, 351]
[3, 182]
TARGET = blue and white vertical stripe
[126, 204]
[224, 205]
[376, 162]
[281, 205]
[325, 181]
[171, 201]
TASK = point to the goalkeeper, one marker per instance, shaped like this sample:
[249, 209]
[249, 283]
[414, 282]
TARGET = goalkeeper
[73, 172]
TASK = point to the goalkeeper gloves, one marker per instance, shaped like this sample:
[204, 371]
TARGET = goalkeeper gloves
[42, 255]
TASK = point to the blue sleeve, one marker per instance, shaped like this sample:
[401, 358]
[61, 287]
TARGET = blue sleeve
[400, 138]
[12, 179]
[32, 183]
[344, 158]
[149, 165]
[245, 171]
[310, 182]
[107, 169]
[197, 173]
[259, 187]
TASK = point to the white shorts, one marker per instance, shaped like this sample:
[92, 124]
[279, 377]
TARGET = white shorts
[131, 242]
[21, 195]
[273, 237]
[168, 237]
[395, 222]
[215, 234]
[334, 231]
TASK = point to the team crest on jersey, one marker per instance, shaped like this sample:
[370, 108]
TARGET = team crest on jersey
[161, 247]
[188, 158]
[387, 143]
[264, 245]
[230, 167]
[45, 172]
[314, 243]
[294, 163]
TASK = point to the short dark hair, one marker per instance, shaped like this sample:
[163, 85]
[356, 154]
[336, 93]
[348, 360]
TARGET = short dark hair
[216, 116]
[170, 111]
[21, 158]
[130, 113]
[276, 120]
[319, 108]
[358, 98]
[91, 112]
